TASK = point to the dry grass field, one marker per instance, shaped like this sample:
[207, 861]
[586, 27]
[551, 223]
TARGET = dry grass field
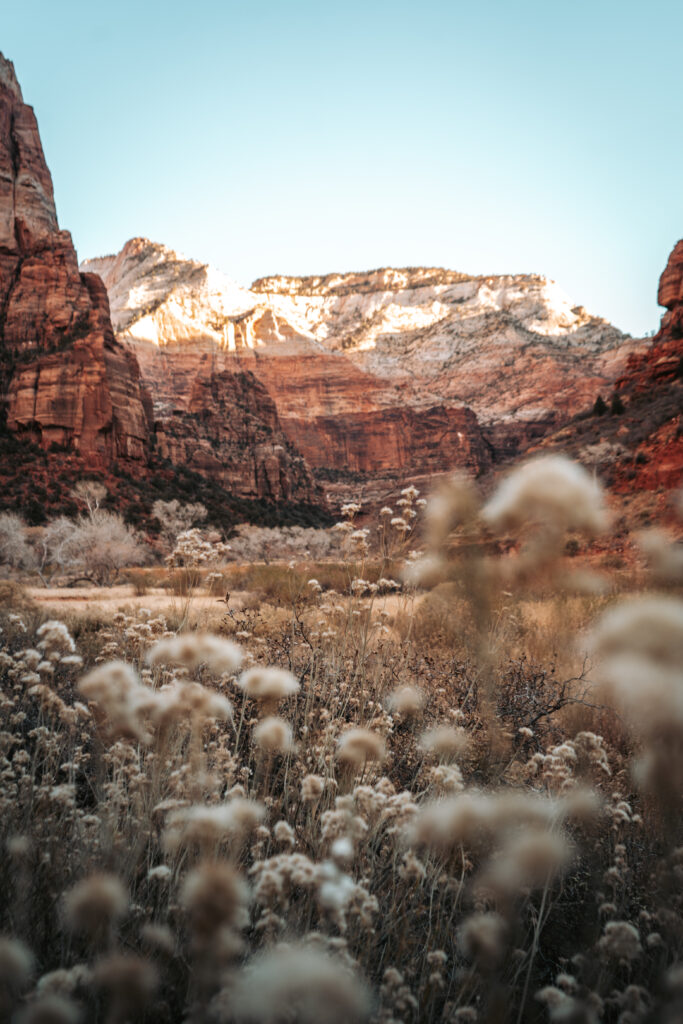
[440, 785]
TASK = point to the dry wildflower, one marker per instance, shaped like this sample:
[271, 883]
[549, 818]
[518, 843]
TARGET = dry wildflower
[274, 735]
[441, 825]
[194, 649]
[55, 636]
[648, 628]
[158, 937]
[95, 904]
[160, 873]
[454, 504]
[129, 981]
[209, 825]
[554, 998]
[284, 833]
[312, 788]
[529, 861]
[298, 983]
[214, 896]
[51, 1009]
[483, 938]
[621, 941]
[664, 556]
[356, 746]
[16, 968]
[124, 701]
[444, 742]
[341, 851]
[550, 490]
[268, 684]
[412, 868]
[64, 982]
[407, 701]
[183, 702]
[446, 778]
[474, 819]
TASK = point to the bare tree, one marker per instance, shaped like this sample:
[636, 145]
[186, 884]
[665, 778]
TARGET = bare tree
[261, 543]
[94, 547]
[176, 519]
[92, 493]
[52, 548]
[14, 548]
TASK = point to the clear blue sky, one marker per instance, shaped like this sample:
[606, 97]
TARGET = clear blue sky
[304, 137]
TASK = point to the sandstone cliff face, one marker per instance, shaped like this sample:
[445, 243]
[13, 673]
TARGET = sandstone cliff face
[66, 380]
[639, 447]
[355, 429]
[670, 295]
[230, 432]
[377, 377]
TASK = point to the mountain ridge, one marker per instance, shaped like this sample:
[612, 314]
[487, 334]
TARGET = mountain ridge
[341, 350]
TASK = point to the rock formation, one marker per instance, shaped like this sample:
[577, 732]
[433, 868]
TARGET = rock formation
[67, 383]
[377, 378]
[66, 380]
[636, 443]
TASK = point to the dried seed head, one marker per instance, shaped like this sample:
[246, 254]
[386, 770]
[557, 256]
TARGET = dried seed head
[95, 904]
[360, 745]
[124, 701]
[16, 968]
[550, 490]
[191, 650]
[483, 938]
[214, 897]
[274, 735]
[269, 684]
[454, 504]
[298, 983]
[312, 788]
[407, 700]
[129, 981]
[158, 937]
[50, 1010]
[445, 742]
[530, 860]
[650, 628]
[621, 941]
[207, 826]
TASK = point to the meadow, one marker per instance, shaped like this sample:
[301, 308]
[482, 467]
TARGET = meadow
[433, 773]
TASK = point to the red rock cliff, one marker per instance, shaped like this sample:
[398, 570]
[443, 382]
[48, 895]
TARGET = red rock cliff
[66, 380]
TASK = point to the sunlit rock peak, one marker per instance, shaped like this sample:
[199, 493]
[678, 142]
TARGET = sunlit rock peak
[382, 317]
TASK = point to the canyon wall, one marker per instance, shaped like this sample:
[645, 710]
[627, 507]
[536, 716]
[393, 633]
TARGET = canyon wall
[66, 380]
[69, 385]
[379, 378]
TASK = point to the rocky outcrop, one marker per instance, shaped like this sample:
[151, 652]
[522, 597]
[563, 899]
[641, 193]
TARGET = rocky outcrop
[670, 295]
[66, 380]
[229, 431]
[68, 384]
[635, 439]
[378, 378]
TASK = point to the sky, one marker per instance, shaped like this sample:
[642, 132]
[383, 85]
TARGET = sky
[298, 137]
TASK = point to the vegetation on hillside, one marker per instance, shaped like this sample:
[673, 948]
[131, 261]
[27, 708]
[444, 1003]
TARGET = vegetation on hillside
[378, 797]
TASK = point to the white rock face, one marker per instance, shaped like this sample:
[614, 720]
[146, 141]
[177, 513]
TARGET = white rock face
[159, 296]
[511, 347]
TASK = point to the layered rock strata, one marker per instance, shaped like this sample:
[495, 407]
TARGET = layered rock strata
[68, 384]
[66, 380]
[377, 378]
[634, 439]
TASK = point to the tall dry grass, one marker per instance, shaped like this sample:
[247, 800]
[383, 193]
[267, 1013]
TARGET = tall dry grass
[454, 797]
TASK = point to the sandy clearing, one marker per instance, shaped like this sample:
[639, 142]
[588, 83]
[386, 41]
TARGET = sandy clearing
[124, 598]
